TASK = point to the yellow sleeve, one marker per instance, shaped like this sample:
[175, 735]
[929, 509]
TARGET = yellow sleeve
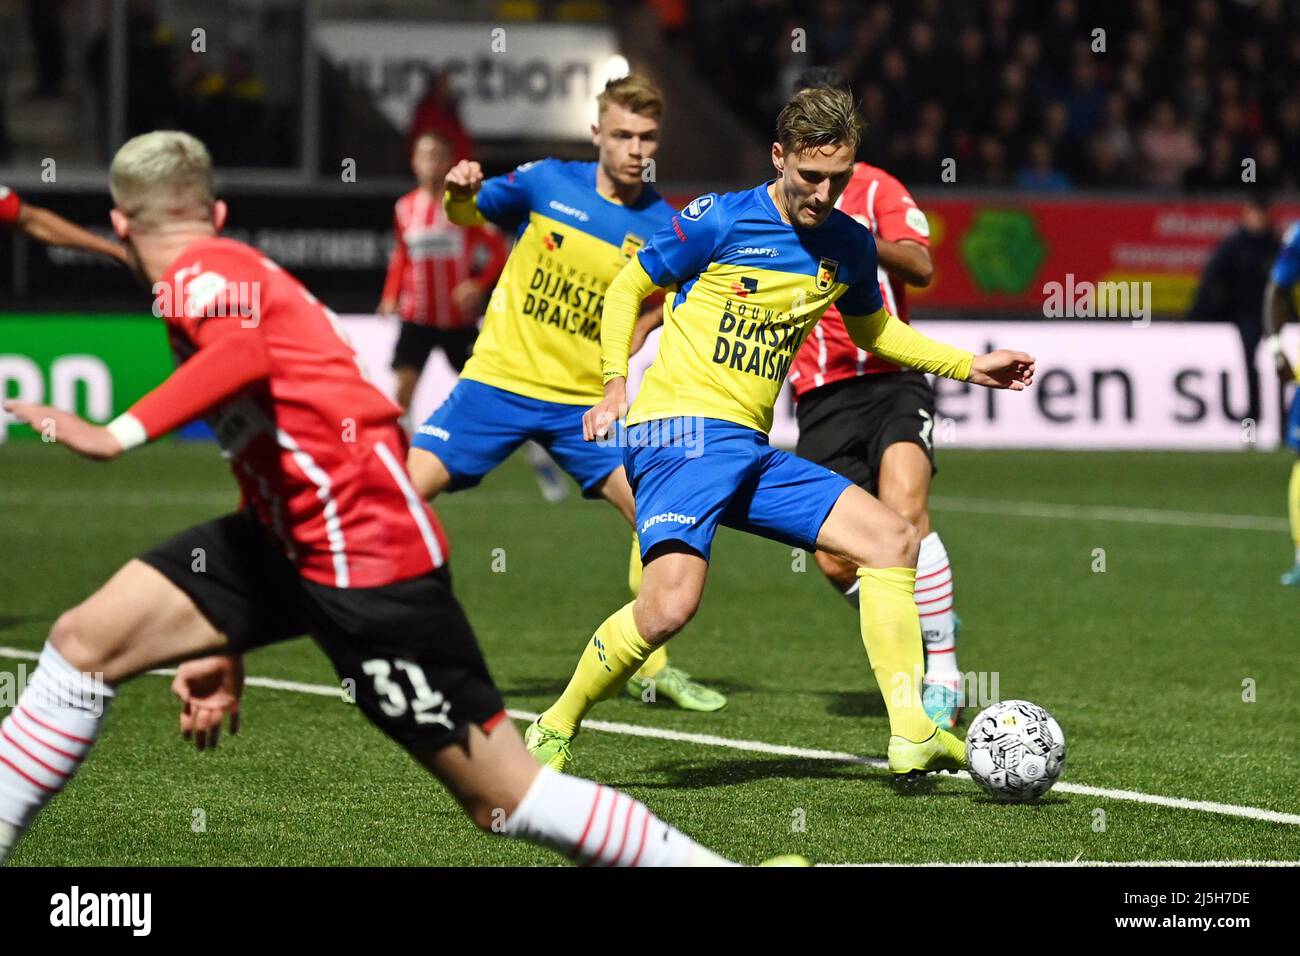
[895, 340]
[463, 212]
[618, 317]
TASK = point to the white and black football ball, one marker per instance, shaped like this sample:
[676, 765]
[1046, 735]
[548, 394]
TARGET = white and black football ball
[1016, 750]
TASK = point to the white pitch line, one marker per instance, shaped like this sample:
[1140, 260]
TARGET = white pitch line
[1183, 519]
[781, 750]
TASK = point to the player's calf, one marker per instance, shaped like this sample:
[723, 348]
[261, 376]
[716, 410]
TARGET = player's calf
[136, 621]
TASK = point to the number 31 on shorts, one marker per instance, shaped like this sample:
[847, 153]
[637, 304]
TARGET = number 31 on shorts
[428, 706]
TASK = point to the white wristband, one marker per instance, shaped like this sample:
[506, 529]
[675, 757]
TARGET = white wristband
[128, 431]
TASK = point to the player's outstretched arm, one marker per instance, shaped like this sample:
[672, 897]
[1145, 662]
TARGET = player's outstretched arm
[463, 183]
[617, 323]
[895, 340]
[230, 359]
[52, 229]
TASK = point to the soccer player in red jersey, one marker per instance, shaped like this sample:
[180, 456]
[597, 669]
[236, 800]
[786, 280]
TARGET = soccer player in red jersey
[439, 273]
[873, 422]
[52, 229]
[331, 540]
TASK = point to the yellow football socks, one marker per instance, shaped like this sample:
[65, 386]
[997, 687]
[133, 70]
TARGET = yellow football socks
[658, 660]
[891, 631]
[634, 568]
[612, 655]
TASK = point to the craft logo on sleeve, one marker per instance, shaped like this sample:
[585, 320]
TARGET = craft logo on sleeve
[75, 908]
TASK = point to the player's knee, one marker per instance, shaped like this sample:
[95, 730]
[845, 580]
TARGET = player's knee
[896, 546]
[659, 618]
[72, 638]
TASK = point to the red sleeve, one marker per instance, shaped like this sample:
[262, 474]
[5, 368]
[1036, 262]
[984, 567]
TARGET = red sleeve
[396, 262]
[212, 297]
[231, 357]
[10, 205]
[897, 215]
[495, 243]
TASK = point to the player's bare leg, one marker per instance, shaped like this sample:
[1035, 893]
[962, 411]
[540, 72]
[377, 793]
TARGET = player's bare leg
[656, 678]
[884, 547]
[669, 598]
[137, 621]
[428, 474]
[904, 482]
[407, 379]
[504, 791]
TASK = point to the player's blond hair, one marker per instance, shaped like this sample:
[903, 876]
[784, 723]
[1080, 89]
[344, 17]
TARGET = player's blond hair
[819, 116]
[635, 93]
[161, 176]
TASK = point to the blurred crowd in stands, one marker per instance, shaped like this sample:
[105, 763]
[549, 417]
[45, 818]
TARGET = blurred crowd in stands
[1025, 93]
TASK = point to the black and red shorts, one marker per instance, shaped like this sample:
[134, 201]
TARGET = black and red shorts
[847, 425]
[405, 651]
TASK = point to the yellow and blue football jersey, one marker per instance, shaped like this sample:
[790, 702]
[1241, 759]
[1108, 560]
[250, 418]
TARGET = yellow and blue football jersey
[541, 331]
[749, 288]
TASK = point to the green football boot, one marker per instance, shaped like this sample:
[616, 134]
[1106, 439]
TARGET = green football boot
[676, 685]
[549, 747]
[941, 751]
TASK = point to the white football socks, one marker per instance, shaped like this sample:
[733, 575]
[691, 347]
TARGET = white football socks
[594, 825]
[934, 601]
[44, 739]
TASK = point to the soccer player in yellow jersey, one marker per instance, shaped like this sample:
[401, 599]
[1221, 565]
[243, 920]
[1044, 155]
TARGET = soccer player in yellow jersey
[1278, 307]
[535, 368]
[750, 273]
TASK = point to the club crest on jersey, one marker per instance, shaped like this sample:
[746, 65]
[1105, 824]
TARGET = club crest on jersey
[552, 241]
[826, 270]
[744, 287]
[632, 244]
[698, 207]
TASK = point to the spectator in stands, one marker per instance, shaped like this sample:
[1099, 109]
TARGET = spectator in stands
[1232, 286]
[1040, 175]
[1168, 147]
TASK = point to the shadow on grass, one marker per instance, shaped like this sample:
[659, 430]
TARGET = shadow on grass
[727, 773]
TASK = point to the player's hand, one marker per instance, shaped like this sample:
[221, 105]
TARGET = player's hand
[600, 419]
[209, 688]
[386, 307]
[464, 179]
[1003, 368]
[1283, 365]
[468, 296]
[93, 441]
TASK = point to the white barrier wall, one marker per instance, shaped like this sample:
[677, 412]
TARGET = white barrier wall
[1100, 384]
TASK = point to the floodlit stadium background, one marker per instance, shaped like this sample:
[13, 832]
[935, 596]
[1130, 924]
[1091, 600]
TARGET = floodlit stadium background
[1048, 143]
